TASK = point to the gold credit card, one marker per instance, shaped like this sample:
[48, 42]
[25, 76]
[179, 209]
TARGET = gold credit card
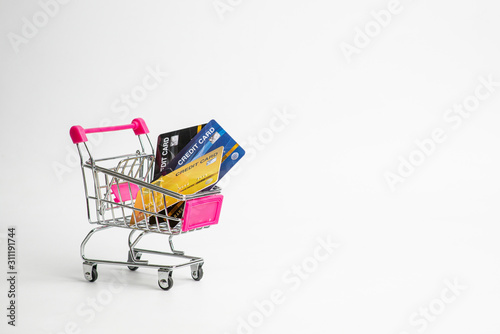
[189, 179]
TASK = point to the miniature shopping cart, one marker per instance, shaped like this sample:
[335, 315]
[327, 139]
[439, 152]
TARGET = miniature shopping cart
[111, 188]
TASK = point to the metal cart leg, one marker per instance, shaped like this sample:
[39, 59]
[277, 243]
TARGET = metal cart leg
[87, 238]
[171, 243]
[196, 267]
[134, 256]
[89, 267]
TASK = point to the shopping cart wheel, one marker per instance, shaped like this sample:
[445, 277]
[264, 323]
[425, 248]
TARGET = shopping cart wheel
[197, 274]
[165, 281]
[137, 257]
[90, 271]
[166, 284]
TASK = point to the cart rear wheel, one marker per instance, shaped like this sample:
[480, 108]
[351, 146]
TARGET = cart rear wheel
[197, 274]
[137, 257]
[166, 284]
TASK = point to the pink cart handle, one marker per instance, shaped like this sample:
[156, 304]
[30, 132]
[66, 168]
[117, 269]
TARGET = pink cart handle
[79, 134]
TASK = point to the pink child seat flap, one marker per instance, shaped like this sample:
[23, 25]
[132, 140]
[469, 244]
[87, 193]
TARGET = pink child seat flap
[201, 212]
[122, 194]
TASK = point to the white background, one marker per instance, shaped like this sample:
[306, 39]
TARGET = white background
[322, 175]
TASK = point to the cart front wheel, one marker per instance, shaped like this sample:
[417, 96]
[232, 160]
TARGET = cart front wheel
[166, 284]
[137, 257]
[197, 274]
[91, 275]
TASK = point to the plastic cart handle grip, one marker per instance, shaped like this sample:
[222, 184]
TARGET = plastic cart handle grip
[79, 134]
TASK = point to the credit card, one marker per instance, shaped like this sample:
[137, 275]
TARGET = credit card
[191, 178]
[211, 137]
[169, 144]
[174, 211]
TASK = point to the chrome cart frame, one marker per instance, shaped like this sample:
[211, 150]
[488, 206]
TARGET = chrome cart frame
[111, 186]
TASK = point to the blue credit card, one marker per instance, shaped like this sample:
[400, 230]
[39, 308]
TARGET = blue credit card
[211, 137]
[170, 144]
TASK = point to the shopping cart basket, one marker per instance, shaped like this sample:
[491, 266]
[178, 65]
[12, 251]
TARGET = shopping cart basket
[111, 187]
